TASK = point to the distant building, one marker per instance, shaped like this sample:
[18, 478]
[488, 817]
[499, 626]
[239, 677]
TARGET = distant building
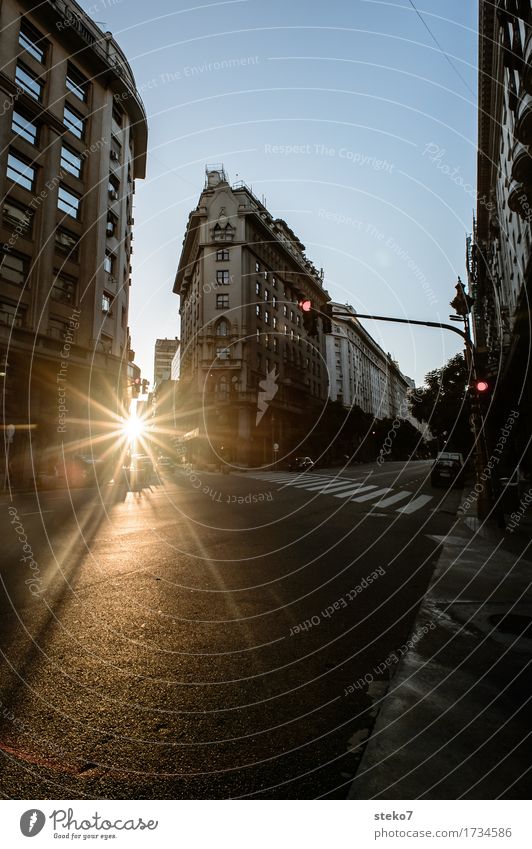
[175, 366]
[252, 375]
[500, 250]
[361, 374]
[165, 350]
[73, 139]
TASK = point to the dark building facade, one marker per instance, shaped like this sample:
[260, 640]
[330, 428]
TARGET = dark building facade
[499, 252]
[73, 136]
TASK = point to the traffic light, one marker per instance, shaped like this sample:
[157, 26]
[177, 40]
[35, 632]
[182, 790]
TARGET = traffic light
[462, 302]
[310, 316]
[135, 386]
[326, 318]
[482, 386]
[145, 385]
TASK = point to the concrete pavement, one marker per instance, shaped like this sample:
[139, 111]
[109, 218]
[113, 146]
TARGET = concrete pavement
[456, 720]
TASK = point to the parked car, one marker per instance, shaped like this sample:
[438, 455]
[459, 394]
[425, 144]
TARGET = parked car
[302, 464]
[165, 464]
[447, 469]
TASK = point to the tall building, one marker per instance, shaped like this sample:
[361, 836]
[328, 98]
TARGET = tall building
[73, 139]
[252, 376]
[165, 350]
[499, 252]
[360, 373]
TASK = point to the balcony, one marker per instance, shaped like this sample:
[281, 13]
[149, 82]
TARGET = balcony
[519, 200]
[523, 120]
[522, 163]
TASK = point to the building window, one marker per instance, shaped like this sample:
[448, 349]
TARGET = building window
[266, 316]
[107, 301]
[63, 289]
[68, 202]
[113, 187]
[222, 302]
[21, 172]
[292, 317]
[223, 234]
[258, 311]
[274, 301]
[222, 328]
[25, 128]
[258, 288]
[116, 150]
[74, 122]
[222, 255]
[258, 337]
[274, 322]
[14, 267]
[266, 295]
[111, 226]
[274, 282]
[12, 314]
[298, 320]
[118, 115]
[222, 353]
[257, 267]
[70, 161]
[222, 277]
[32, 41]
[77, 83]
[67, 243]
[285, 310]
[28, 81]
[57, 328]
[275, 344]
[14, 215]
[109, 263]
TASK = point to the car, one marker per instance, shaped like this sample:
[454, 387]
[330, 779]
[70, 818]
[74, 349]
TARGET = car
[302, 464]
[164, 464]
[447, 469]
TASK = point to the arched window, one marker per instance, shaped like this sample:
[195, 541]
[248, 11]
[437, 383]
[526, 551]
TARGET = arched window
[222, 328]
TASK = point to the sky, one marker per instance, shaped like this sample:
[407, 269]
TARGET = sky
[346, 116]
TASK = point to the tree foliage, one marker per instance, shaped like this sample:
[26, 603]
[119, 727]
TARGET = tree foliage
[442, 404]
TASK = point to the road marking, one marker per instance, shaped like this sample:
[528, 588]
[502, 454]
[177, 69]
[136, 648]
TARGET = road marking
[393, 499]
[322, 487]
[414, 505]
[371, 495]
[353, 491]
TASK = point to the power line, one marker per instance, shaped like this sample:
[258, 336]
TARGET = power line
[435, 40]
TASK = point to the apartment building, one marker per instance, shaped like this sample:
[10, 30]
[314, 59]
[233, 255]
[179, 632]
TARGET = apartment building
[73, 139]
[253, 368]
[360, 373]
[165, 351]
[499, 251]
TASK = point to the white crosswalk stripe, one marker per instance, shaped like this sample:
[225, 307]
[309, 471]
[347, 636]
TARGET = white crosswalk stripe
[393, 499]
[348, 489]
[415, 504]
[354, 490]
[371, 495]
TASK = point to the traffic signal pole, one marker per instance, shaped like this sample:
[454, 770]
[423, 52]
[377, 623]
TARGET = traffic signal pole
[481, 452]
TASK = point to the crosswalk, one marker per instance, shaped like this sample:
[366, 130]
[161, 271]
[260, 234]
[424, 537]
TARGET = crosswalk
[404, 501]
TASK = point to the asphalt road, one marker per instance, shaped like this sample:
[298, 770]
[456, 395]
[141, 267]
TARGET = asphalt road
[208, 636]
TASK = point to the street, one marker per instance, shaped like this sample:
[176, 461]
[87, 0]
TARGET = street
[209, 635]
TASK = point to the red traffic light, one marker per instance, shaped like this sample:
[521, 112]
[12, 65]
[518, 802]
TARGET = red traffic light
[305, 305]
[482, 386]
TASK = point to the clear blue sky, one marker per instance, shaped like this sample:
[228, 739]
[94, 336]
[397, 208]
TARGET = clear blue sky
[381, 191]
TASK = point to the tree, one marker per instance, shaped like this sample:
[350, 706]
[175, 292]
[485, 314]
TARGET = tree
[442, 404]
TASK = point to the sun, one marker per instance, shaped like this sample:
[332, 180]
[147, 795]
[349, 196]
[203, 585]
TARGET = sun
[133, 428]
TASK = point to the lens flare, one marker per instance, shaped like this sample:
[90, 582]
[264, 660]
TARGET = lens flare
[133, 428]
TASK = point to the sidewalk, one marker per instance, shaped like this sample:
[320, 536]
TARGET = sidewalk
[456, 721]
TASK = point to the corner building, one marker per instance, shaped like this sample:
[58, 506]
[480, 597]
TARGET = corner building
[251, 376]
[73, 138]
